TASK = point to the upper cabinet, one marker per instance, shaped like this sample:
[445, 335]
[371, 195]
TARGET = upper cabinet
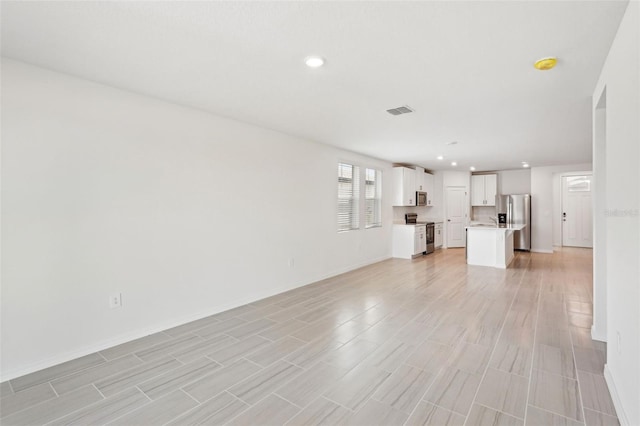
[404, 186]
[429, 187]
[420, 183]
[484, 189]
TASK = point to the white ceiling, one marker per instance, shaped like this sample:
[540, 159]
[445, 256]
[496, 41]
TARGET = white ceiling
[465, 67]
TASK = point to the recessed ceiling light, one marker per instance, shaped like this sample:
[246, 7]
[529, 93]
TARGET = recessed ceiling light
[472, 168]
[314, 61]
[525, 165]
[453, 163]
[440, 157]
[545, 64]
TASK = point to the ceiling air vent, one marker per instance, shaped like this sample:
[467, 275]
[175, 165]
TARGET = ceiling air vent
[400, 110]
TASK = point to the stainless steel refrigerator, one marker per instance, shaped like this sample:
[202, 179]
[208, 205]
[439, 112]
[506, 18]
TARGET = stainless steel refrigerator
[517, 207]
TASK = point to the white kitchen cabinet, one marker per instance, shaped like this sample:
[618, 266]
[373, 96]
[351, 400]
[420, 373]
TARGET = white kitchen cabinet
[438, 240]
[429, 188]
[483, 190]
[490, 189]
[409, 241]
[420, 179]
[404, 186]
[477, 190]
[420, 240]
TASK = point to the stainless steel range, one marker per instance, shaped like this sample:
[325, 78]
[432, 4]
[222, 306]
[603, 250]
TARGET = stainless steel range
[431, 237]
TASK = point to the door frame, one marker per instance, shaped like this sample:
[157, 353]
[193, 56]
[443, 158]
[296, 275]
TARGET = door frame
[445, 237]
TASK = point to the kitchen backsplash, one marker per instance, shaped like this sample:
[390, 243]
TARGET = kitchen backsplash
[424, 213]
[483, 214]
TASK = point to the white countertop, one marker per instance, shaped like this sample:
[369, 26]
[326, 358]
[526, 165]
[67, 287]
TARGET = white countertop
[434, 220]
[408, 224]
[497, 228]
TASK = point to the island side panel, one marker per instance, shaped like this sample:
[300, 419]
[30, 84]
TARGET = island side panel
[504, 248]
[481, 245]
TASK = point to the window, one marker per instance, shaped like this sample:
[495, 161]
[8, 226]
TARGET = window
[373, 198]
[348, 197]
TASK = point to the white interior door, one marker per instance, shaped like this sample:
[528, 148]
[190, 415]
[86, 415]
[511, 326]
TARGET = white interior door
[577, 227]
[456, 216]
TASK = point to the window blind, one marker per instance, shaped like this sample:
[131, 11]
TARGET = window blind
[348, 197]
[373, 198]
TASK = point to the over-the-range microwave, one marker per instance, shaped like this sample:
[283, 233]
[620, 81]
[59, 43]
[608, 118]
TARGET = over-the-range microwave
[421, 198]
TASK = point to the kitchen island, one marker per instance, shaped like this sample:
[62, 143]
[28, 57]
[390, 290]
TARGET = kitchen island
[490, 245]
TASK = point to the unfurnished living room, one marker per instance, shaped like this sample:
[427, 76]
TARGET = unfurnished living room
[320, 212]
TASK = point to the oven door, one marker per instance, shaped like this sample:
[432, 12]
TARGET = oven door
[431, 238]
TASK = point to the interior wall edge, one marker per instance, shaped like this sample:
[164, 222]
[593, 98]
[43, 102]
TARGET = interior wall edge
[615, 397]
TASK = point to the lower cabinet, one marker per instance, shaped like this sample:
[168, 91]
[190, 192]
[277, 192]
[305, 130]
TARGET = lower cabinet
[409, 241]
[420, 240]
[439, 234]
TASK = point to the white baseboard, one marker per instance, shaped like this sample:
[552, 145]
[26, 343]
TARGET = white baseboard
[340, 271]
[595, 335]
[615, 397]
[127, 337]
[541, 251]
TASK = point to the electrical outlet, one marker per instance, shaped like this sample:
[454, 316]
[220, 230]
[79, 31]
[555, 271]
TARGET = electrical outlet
[619, 343]
[291, 263]
[115, 300]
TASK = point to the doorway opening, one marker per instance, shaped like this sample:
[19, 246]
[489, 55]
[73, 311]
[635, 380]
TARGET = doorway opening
[577, 211]
[456, 214]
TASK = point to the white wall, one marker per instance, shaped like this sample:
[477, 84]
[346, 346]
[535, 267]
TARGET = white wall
[399, 212]
[514, 181]
[184, 212]
[545, 204]
[621, 78]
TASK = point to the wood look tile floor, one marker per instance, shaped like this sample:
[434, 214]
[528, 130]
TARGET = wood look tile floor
[430, 341]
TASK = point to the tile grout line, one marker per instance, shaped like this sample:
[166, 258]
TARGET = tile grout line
[247, 408]
[436, 377]
[256, 364]
[290, 402]
[56, 392]
[499, 411]
[604, 414]
[100, 392]
[198, 403]
[78, 409]
[533, 351]
[335, 402]
[244, 380]
[135, 409]
[556, 414]
[486, 368]
[67, 374]
[573, 354]
[137, 383]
